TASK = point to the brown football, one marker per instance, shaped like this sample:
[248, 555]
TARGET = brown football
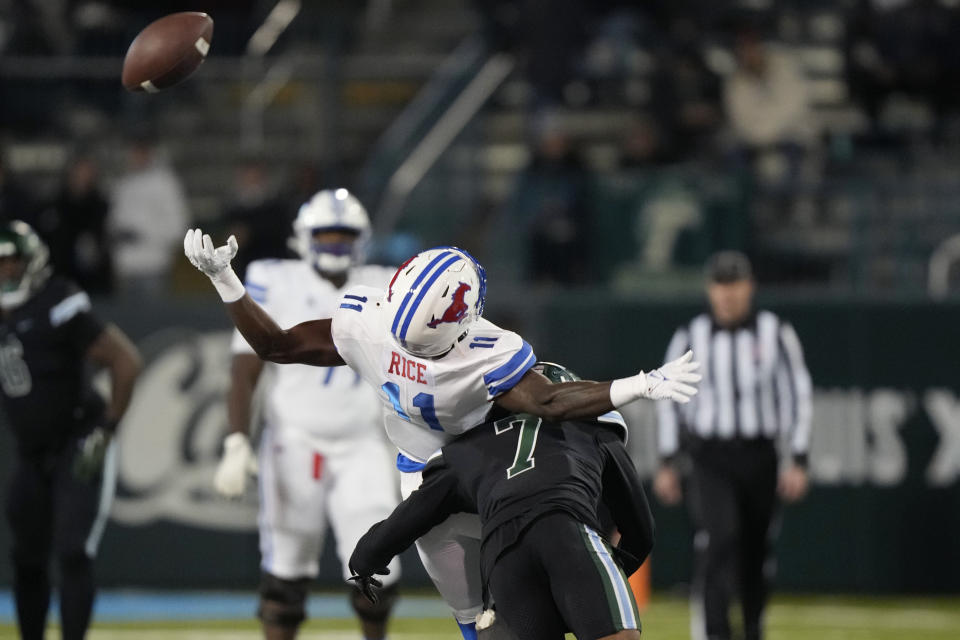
[167, 51]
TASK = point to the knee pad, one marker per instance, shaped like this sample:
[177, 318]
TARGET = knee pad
[282, 602]
[374, 613]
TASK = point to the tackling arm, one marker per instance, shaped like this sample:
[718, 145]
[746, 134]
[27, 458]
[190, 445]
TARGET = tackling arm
[433, 502]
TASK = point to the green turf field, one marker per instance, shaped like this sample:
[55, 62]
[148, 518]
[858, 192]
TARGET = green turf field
[790, 618]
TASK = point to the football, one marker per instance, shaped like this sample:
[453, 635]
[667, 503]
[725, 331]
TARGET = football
[167, 51]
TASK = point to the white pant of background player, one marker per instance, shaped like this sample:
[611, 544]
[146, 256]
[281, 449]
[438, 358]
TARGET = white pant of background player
[350, 483]
[450, 553]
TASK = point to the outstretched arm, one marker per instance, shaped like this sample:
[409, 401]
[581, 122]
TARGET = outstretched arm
[584, 399]
[536, 395]
[309, 342]
[306, 343]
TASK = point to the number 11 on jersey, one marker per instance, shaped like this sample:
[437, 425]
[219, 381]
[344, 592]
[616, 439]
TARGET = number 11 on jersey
[422, 401]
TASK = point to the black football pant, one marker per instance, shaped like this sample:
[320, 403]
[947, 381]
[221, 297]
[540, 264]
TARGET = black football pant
[731, 495]
[561, 576]
[53, 513]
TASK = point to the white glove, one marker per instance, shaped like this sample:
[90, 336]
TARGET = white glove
[230, 479]
[669, 382]
[214, 263]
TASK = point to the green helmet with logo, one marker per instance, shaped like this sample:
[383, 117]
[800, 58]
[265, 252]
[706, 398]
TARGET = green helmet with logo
[552, 371]
[19, 240]
[555, 372]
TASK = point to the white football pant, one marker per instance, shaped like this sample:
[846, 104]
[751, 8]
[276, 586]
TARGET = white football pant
[301, 487]
[450, 553]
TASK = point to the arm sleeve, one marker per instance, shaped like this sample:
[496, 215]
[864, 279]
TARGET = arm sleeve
[351, 321]
[73, 316]
[436, 499]
[625, 499]
[668, 412]
[504, 373]
[257, 282]
[801, 388]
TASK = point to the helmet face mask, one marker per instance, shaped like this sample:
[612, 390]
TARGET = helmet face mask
[27, 265]
[333, 252]
[433, 300]
[331, 210]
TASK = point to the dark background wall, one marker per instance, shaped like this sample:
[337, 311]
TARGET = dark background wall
[883, 514]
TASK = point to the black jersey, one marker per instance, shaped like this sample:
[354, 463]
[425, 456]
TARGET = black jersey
[45, 384]
[513, 471]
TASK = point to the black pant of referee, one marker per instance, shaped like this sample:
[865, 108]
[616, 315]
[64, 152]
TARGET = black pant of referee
[731, 496]
[756, 392]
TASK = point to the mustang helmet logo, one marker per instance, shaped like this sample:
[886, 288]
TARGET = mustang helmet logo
[457, 309]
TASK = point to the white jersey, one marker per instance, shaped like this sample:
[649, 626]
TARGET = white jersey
[330, 403]
[426, 402]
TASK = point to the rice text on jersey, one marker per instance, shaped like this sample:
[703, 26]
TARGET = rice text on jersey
[406, 368]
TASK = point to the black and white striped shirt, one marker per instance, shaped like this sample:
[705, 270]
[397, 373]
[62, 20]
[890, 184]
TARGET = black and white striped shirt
[755, 385]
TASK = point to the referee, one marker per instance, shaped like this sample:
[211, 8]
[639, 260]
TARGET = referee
[756, 393]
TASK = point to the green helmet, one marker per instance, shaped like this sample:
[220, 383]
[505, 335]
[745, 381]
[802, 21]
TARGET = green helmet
[555, 372]
[19, 240]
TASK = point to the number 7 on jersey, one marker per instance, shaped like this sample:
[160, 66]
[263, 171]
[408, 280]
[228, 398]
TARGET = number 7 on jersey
[523, 460]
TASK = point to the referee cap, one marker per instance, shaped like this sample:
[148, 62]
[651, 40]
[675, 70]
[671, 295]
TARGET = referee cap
[728, 266]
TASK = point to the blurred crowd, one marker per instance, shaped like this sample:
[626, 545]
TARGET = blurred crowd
[726, 141]
[124, 235]
[745, 90]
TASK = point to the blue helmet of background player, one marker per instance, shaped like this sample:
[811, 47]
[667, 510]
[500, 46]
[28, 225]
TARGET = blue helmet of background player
[332, 210]
[24, 263]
